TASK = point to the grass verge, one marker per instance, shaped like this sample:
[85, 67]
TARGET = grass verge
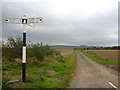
[52, 74]
[99, 59]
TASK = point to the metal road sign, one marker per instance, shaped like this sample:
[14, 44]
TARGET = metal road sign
[34, 20]
[14, 20]
[23, 20]
[31, 24]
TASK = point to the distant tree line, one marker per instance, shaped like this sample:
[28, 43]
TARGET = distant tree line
[92, 48]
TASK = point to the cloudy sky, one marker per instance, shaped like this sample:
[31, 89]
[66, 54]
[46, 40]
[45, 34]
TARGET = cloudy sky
[65, 22]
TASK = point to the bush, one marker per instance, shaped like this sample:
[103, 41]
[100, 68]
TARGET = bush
[13, 49]
[39, 52]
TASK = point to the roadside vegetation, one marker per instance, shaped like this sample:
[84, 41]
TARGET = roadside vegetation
[45, 68]
[13, 49]
[98, 58]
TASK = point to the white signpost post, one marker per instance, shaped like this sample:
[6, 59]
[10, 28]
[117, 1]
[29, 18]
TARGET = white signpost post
[25, 21]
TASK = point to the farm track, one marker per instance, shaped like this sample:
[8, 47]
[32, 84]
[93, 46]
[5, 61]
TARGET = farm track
[90, 74]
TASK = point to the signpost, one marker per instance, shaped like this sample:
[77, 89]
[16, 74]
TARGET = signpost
[25, 21]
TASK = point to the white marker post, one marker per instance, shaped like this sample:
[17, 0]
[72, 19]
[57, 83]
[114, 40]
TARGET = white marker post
[25, 21]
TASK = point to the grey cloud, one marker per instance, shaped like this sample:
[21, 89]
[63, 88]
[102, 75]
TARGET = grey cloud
[71, 30]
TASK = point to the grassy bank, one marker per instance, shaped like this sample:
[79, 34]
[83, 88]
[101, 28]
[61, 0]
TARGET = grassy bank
[99, 59]
[53, 73]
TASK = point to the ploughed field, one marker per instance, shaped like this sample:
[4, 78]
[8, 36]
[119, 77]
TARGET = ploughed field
[111, 54]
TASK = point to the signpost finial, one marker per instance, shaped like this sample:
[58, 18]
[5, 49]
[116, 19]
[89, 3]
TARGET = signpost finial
[24, 15]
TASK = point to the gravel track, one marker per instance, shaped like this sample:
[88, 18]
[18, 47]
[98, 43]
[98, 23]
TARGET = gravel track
[90, 74]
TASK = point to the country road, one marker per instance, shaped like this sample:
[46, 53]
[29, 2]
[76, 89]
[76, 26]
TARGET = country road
[90, 74]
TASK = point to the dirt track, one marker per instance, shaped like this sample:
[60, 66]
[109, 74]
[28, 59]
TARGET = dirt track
[90, 74]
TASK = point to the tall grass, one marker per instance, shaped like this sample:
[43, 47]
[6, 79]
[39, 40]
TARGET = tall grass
[55, 72]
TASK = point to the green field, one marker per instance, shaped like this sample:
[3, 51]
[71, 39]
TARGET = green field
[54, 73]
[99, 59]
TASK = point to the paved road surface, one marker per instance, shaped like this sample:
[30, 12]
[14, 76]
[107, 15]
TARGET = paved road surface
[90, 74]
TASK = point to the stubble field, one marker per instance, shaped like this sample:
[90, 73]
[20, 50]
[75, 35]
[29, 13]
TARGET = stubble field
[111, 54]
[109, 58]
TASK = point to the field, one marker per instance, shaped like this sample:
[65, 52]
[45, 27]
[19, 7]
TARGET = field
[109, 58]
[65, 53]
[111, 54]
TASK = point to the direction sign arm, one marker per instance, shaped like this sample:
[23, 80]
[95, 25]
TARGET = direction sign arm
[34, 20]
[31, 24]
[14, 20]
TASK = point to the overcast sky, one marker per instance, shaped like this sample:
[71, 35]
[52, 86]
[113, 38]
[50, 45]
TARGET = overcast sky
[65, 22]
